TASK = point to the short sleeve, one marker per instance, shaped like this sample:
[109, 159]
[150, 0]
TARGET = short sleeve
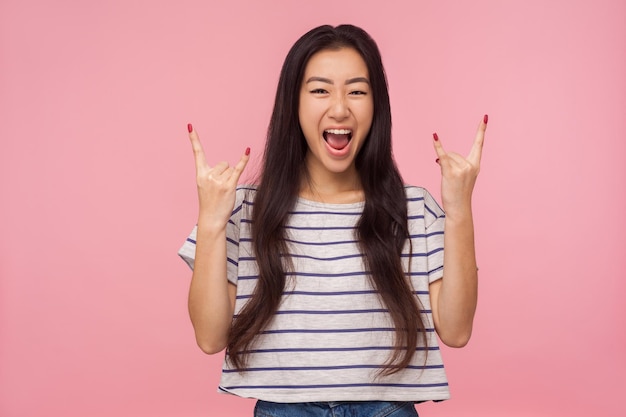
[434, 221]
[188, 250]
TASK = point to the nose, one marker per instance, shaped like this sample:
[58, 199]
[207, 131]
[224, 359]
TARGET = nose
[339, 109]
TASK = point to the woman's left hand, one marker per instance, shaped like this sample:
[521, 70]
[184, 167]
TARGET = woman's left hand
[459, 174]
[453, 298]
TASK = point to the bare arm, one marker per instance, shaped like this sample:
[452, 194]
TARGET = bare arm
[211, 297]
[454, 297]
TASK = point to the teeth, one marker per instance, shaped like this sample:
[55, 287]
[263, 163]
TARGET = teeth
[338, 131]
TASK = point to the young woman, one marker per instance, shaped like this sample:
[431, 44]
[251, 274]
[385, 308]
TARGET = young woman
[325, 282]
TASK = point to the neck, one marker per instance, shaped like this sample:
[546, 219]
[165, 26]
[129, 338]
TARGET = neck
[334, 188]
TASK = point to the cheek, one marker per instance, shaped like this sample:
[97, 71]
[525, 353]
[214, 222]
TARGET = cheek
[309, 116]
[305, 123]
[367, 116]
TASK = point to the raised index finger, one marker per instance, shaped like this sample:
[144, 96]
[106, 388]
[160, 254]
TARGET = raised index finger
[196, 146]
[241, 165]
[477, 148]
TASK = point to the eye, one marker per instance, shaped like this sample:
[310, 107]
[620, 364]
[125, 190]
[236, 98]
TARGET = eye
[319, 91]
[358, 93]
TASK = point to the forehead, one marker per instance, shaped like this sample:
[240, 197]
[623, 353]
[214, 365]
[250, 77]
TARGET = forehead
[340, 64]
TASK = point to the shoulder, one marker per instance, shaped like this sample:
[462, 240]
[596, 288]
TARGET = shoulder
[244, 200]
[245, 193]
[419, 200]
[414, 192]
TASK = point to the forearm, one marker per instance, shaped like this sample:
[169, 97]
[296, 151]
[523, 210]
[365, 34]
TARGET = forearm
[459, 287]
[210, 304]
[453, 298]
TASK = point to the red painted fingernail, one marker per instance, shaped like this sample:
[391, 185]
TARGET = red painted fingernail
[437, 160]
[189, 127]
[435, 136]
[486, 119]
[247, 151]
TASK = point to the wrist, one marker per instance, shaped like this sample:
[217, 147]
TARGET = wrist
[459, 214]
[210, 226]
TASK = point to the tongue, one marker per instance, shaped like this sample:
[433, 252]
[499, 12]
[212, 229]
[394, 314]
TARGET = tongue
[337, 141]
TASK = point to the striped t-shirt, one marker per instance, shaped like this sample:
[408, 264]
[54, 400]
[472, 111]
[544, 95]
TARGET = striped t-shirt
[331, 334]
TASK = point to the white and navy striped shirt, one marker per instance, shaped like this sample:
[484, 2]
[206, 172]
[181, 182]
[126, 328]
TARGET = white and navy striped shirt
[331, 334]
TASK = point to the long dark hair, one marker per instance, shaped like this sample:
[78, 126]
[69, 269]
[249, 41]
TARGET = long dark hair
[382, 230]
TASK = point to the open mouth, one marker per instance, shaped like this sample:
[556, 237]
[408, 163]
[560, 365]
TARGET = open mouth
[337, 138]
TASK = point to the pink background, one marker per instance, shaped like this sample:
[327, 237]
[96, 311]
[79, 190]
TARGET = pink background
[98, 193]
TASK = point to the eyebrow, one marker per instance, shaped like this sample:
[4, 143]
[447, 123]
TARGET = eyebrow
[348, 81]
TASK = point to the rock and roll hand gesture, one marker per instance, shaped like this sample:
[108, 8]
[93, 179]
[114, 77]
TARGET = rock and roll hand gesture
[453, 298]
[458, 173]
[211, 297]
[216, 185]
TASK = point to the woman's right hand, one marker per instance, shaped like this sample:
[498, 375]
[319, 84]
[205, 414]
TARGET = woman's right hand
[216, 185]
[211, 296]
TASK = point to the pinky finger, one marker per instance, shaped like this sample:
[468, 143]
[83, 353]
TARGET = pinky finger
[477, 147]
[196, 146]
